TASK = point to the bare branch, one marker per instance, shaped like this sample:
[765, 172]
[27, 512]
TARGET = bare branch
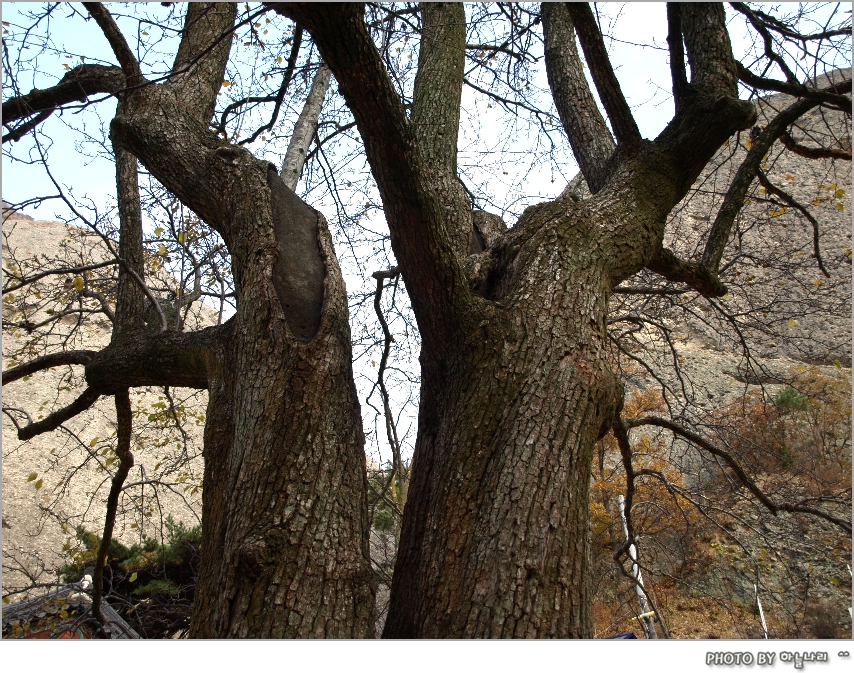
[832, 95]
[130, 296]
[585, 127]
[767, 40]
[677, 54]
[57, 418]
[124, 421]
[61, 270]
[813, 152]
[128, 62]
[773, 189]
[278, 98]
[102, 300]
[698, 276]
[734, 465]
[20, 131]
[610, 93]
[76, 85]
[305, 128]
[46, 362]
[734, 199]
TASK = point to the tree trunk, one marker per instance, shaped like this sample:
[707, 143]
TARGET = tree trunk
[495, 539]
[285, 521]
[285, 518]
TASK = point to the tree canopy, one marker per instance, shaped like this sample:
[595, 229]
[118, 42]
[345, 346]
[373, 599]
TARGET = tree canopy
[266, 154]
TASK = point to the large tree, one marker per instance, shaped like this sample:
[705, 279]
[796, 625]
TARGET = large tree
[517, 383]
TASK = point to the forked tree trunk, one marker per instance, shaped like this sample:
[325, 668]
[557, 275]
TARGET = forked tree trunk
[515, 383]
[495, 540]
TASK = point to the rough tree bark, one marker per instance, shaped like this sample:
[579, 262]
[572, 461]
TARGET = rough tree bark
[515, 385]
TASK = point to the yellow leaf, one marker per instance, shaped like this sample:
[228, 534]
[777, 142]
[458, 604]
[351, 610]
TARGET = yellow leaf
[38, 484]
[162, 250]
[789, 176]
[817, 201]
[158, 231]
[66, 66]
[226, 82]
[132, 578]
[6, 600]
[792, 323]
[182, 237]
[279, 59]
[93, 442]
[33, 476]
[749, 143]
[78, 283]
[762, 190]
[839, 206]
[818, 283]
[840, 193]
[144, 33]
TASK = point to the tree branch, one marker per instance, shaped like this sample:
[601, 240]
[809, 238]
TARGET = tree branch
[773, 189]
[102, 300]
[130, 296]
[124, 422]
[57, 418]
[305, 128]
[698, 276]
[278, 98]
[677, 55]
[76, 85]
[780, 27]
[734, 199]
[20, 131]
[206, 53]
[768, 43]
[53, 272]
[610, 93]
[585, 127]
[713, 68]
[156, 359]
[832, 94]
[128, 62]
[46, 362]
[812, 152]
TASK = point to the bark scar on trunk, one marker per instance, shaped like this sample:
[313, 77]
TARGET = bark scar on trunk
[299, 272]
